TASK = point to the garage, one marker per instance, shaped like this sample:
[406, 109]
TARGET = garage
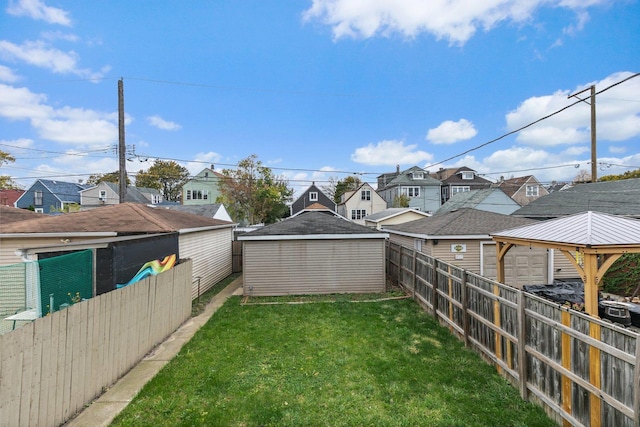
[314, 252]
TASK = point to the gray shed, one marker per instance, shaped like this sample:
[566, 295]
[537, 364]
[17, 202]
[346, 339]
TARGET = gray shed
[313, 253]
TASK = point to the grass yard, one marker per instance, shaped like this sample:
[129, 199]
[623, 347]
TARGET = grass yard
[328, 364]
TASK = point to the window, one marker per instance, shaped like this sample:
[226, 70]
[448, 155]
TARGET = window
[365, 195]
[532, 191]
[459, 189]
[467, 175]
[418, 175]
[411, 191]
[39, 210]
[102, 195]
[358, 213]
[197, 194]
[188, 194]
[313, 196]
[37, 198]
[417, 245]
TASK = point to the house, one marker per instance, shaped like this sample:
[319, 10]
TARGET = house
[363, 201]
[488, 199]
[609, 197]
[49, 196]
[557, 186]
[462, 238]
[203, 188]
[11, 214]
[215, 210]
[458, 181]
[8, 196]
[523, 190]
[392, 216]
[313, 253]
[206, 241]
[310, 196]
[422, 190]
[108, 193]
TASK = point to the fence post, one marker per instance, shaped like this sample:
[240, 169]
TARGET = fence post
[498, 323]
[434, 289]
[566, 383]
[415, 272]
[465, 306]
[522, 343]
[595, 404]
[636, 387]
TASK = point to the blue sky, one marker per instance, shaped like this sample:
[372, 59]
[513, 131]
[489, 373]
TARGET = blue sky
[319, 89]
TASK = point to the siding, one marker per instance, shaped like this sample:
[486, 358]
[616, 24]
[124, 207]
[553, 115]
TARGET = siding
[567, 270]
[291, 267]
[211, 254]
[8, 246]
[523, 266]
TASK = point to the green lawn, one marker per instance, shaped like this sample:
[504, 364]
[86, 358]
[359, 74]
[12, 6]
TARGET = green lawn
[345, 363]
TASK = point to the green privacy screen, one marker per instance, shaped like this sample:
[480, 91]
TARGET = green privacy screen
[65, 280]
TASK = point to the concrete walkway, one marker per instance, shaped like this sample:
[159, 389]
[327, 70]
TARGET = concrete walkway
[103, 410]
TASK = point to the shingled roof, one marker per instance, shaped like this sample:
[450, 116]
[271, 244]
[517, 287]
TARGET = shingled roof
[313, 223]
[9, 214]
[463, 222]
[612, 197]
[124, 219]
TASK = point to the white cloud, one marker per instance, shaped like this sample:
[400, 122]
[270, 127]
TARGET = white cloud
[39, 54]
[160, 123]
[65, 125]
[617, 150]
[7, 75]
[203, 160]
[391, 153]
[455, 20]
[59, 35]
[618, 119]
[36, 9]
[450, 132]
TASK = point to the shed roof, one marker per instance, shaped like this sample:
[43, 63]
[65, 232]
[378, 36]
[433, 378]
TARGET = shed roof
[583, 229]
[124, 218]
[313, 223]
[463, 222]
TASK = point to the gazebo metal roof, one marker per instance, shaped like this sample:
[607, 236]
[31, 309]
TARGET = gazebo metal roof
[592, 241]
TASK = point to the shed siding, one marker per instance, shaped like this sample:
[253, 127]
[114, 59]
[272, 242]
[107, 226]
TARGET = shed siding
[211, 255]
[566, 268]
[291, 267]
[8, 246]
[470, 259]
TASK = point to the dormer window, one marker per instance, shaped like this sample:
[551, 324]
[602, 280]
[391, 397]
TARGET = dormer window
[418, 175]
[467, 175]
[313, 196]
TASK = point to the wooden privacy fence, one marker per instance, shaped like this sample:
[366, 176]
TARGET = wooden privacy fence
[582, 370]
[52, 367]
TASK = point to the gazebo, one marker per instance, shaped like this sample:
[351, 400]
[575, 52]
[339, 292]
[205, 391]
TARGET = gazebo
[592, 241]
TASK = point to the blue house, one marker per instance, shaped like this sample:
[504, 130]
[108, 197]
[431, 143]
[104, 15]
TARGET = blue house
[49, 196]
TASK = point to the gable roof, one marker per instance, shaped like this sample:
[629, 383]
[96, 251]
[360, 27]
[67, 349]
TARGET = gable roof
[612, 197]
[584, 229]
[456, 178]
[10, 214]
[133, 194]
[463, 222]
[512, 185]
[392, 212]
[123, 218]
[349, 194]
[208, 210]
[404, 178]
[313, 224]
[471, 199]
[299, 203]
[67, 192]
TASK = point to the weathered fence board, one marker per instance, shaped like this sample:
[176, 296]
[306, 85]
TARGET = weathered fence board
[52, 367]
[582, 370]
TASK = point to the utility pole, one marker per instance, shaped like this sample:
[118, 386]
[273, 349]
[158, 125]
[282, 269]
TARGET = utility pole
[592, 103]
[121, 143]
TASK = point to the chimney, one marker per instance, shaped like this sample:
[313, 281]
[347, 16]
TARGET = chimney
[398, 169]
[212, 166]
